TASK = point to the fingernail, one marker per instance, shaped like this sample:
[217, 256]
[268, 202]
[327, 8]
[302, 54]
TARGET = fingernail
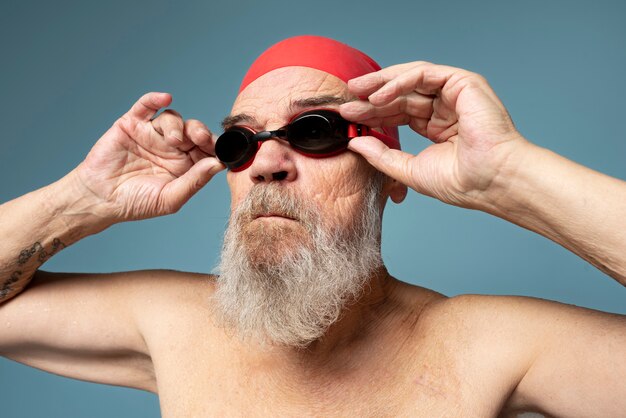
[357, 80]
[377, 98]
[217, 167]
[354, 107]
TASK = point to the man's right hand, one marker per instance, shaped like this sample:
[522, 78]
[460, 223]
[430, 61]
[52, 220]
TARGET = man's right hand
[143, 167]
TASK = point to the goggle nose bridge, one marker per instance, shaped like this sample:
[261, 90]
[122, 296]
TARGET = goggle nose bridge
[265, 135]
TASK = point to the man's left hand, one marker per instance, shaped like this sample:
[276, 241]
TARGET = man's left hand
[457, 110]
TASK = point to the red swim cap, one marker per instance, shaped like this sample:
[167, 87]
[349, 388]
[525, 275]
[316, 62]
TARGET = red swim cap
[325, 54]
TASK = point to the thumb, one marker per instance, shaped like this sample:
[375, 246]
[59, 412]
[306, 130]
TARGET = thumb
[392, 162]
[179, 191]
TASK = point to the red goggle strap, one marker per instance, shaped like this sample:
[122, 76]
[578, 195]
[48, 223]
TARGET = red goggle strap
[355, 130]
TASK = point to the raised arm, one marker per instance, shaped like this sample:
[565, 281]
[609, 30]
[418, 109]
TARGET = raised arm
[81, 325]
[480, 161]
[140, 168]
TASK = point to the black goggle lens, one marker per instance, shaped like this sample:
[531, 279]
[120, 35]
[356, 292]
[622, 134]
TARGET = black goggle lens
[314, 134]
[232, 146]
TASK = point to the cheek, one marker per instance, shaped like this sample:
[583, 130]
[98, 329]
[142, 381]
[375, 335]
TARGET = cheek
[336, 184]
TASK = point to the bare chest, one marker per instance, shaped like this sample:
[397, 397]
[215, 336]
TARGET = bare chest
[207, 381]
[200, 372]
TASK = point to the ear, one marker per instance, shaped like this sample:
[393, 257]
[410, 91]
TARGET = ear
[395, 190]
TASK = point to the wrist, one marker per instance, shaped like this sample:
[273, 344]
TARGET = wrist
[509, 191]
[81, 212]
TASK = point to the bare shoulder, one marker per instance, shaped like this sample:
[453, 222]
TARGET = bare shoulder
[128, 281]
[148, 298]
[156, 282]
[156, 293]
[518, 312]
[549, 356]
[169, 304]
[509, 341]
[136, 290]
[519, 320]
[143, 295]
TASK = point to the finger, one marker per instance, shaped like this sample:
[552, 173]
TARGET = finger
[196, 154]
[147, 106]
[170, 126]
[367, 84]
[180, 190]
[200, 135]
[393, 120]
[421, 127]
[426, 79]
[394, 163]
[413, 104]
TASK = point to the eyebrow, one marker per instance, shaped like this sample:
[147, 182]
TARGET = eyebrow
[295, 106]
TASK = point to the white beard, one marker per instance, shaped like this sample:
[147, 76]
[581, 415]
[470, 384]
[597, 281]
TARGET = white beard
[286, 282]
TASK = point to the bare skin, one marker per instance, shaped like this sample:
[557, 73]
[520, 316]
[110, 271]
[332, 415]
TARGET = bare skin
[401, 350]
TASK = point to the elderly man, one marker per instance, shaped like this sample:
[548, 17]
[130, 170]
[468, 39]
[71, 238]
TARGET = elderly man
[304, 319]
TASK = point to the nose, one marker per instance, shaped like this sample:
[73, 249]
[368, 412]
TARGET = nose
[273, 162]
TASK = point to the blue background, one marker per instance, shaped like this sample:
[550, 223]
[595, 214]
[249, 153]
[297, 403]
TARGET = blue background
[69, 69]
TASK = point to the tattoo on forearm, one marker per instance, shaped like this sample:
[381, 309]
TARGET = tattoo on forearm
[25, 256]
[6, 287]
[43, 255]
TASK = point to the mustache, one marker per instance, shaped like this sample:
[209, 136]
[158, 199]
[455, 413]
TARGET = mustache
[275, 200]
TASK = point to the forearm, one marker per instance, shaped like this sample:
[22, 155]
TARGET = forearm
[39, 224]
[580, 209]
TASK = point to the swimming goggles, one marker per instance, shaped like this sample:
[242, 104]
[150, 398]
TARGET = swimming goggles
[315, 133]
